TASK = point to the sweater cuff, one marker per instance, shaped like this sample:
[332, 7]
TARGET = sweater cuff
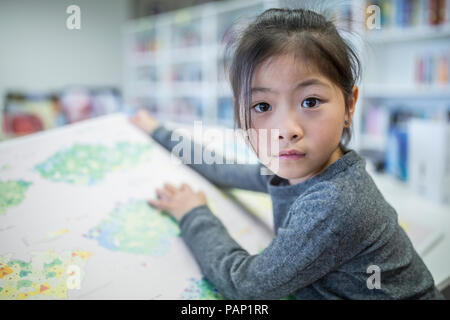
[190, 217]
[161, 133]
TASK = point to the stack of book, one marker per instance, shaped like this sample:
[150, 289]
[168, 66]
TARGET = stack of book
[411, 13]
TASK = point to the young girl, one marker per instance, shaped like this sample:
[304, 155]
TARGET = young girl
[336, 237]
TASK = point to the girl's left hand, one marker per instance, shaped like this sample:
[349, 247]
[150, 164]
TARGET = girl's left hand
[177, 201]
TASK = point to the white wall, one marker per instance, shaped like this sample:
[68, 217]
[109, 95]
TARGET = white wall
[38, 52]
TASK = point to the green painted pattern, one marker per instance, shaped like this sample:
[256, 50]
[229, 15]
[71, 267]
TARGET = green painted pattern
[89, 164]
[137, 228]
[44, 276]
[201, 290]
[12, 193]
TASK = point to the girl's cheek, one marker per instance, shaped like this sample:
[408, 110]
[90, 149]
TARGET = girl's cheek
[260, 139]
[269, 144]
[329, 134]
[253, 136]
[265, 136]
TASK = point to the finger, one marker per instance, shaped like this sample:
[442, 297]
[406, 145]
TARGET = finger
[185, 186]
[170, 188]
[135, 120]
[142, 113]
[159, 204]
[202, 195]
[163, 193]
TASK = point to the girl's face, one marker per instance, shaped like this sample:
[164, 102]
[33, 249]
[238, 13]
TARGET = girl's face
[306, 108]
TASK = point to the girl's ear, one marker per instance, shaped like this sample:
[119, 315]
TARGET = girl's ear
[355, 91]
[352, 103]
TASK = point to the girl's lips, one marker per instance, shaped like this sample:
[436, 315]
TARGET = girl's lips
[291, 156]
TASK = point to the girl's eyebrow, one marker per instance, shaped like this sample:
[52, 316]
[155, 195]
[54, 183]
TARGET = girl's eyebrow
[305, 83]
[310, 82]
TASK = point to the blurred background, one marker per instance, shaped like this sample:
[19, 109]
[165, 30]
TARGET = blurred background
[168, 56]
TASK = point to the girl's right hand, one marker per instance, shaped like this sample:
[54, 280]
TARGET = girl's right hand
[144, 121]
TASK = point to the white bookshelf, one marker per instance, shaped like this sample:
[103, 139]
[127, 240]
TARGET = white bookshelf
[416, 33]
[390, 56]
[181, 78]
[149, 74]
[396, 91]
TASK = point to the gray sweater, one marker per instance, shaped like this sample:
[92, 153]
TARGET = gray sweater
[328, 231]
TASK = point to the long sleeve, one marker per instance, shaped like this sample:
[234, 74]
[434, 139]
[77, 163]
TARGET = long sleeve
[243, 176]
[313, 243]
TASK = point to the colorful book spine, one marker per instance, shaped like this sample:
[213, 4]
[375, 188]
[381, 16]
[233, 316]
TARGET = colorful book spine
[433, 68]
[409, 13]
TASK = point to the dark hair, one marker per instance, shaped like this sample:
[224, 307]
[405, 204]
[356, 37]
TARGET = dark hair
[304, 33]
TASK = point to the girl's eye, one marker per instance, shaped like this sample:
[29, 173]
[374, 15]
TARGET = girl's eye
[262, 107]
[309, 103]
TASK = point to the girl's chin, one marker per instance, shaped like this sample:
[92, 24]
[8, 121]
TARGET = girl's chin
[288, 173]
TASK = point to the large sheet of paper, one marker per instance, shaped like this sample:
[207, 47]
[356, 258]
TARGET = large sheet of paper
[75, 224]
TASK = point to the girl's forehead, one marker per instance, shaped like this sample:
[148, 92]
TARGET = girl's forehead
[285, 68]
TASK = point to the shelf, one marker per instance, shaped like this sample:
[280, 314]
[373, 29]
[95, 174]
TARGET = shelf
[408, 34]
[409, 91]
[374, 142]
[206, 57]
[180, 55]
[186, 88]
[224, 89]
[146, 89]
[154, 59]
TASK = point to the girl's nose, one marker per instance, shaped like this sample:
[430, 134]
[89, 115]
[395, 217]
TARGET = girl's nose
[291, 131]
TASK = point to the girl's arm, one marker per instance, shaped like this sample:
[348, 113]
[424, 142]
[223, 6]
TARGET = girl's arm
[302, 252]
[243, 176]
